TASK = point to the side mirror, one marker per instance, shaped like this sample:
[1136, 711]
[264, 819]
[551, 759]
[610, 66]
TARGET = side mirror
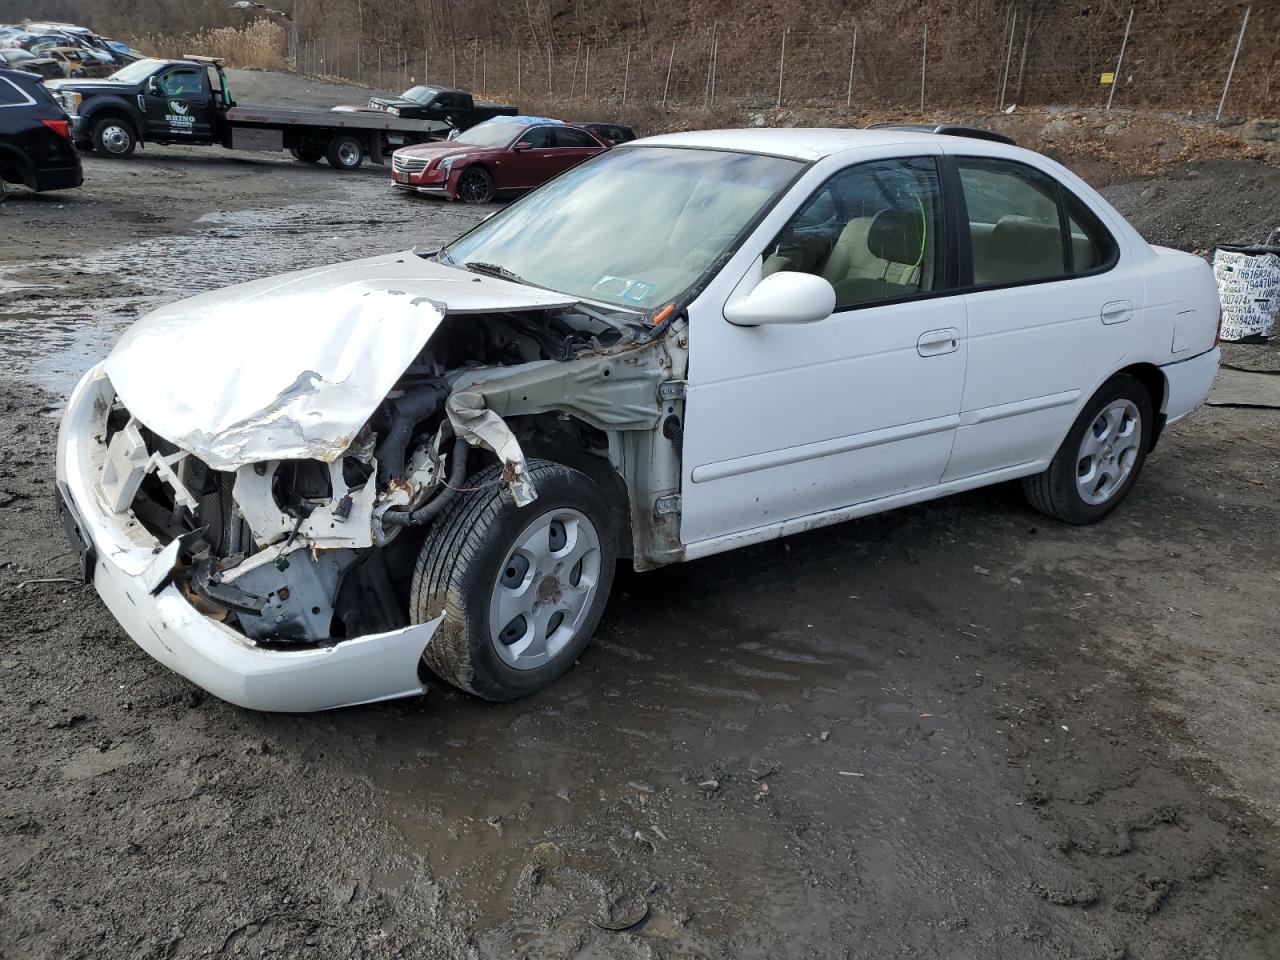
[153, 87]
[522, 146]
[784, 297]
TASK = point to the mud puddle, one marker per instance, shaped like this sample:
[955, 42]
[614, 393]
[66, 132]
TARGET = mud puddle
[60, 315]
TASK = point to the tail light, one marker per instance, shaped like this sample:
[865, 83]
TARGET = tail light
[60, 127]
[1217, 334]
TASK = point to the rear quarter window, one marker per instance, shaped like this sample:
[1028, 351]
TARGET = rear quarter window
[12, 95]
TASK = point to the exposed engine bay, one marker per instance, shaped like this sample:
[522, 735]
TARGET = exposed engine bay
[317, 550]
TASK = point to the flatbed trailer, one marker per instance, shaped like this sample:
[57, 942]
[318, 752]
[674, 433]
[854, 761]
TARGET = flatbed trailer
[189, 101]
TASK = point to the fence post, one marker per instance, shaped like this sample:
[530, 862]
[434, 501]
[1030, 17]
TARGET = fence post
[337, 56]
[519, 77]
[924, 59]
[671, 60]
[1115, 80]
[782, 65]
[853, 59]
[454, 50]
[549, 68]
[573, 74]
[586, 74]
[1008, 59]
[626, 75]
[1232, 69]
[426, 64]
[484, 71]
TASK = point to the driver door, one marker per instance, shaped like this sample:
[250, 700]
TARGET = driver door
[790, 421]
[177, 105]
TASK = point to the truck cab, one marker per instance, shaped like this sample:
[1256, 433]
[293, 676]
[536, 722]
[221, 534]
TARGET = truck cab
[443, 108]
[157, 101]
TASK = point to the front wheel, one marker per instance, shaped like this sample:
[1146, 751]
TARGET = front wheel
[521, 588]
[114, 138]
[475, 186]
[345, 153]
[1099, 461]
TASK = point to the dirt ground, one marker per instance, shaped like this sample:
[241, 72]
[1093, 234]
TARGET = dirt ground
[953, 731]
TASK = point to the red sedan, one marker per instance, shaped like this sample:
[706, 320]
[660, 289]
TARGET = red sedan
[500, 156]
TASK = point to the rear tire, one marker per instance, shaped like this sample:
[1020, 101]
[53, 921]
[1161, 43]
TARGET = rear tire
[1101, 458]
[545, 568]
[344, 153]
[475, 186]
[114, 138]
[306, 154]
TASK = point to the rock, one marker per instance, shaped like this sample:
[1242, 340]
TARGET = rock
[1261, 131]
[1056, 130]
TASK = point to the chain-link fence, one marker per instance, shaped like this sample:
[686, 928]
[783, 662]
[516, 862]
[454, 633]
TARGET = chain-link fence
[1129, 57]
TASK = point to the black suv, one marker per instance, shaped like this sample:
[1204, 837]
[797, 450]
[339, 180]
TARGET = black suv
[35, 139]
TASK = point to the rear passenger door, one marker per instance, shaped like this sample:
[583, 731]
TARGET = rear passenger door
[572, 146]
[1052, 309]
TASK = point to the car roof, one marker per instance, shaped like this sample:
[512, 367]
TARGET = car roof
[804, 143]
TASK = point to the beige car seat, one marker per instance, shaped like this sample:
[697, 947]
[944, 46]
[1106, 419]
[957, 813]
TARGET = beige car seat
[1017, 249]
[883, 263]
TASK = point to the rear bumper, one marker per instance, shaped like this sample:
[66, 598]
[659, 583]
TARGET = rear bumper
[132, 572]
[1189, 382]
[58, 178]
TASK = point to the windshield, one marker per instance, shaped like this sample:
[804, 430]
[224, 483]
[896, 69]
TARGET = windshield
[491, 133]
[420, 94]
[135, 72]
[635, 227]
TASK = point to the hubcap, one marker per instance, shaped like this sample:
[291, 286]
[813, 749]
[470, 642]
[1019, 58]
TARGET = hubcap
[545, 588]
[1108, 452]
[349, 154]
[115, 139]
[473, 187]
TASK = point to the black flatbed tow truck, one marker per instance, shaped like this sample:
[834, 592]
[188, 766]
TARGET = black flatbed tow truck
[189, 101]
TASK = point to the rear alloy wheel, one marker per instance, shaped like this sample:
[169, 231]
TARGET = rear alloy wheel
[521, 588]
[475, 186]
[1101, 457]
[344, 153]
[306, 154]
[114, 138]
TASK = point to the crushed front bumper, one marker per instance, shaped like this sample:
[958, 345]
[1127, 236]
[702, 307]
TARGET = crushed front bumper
[131, 570]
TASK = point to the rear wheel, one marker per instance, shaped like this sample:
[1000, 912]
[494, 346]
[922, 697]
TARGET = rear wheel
[1101, 458]
[307, 154]
[475, 185]
[345, 153]
[521, 588]
[114, 138]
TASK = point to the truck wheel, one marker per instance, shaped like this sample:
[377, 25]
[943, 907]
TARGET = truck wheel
[1100, 460]
[114, 138]
[521, 588]
[307, 154]
[345, 153]
[475, 185]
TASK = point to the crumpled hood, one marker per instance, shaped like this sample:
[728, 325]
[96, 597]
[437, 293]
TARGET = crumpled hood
[291, 367]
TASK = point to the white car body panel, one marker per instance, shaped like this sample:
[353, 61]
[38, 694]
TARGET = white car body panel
[291, 367]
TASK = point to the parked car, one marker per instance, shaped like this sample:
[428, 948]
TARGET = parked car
[35, 139]
[688, 344]
[502, 156]
[445, 109]
[15, 58]
[610, 133]
[78, 63]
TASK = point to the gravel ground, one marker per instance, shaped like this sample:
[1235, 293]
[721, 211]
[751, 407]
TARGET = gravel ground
[955, 730]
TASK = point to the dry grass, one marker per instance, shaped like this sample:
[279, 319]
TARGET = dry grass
[260, 45]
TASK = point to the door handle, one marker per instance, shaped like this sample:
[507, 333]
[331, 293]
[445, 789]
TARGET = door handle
[935, 343]
[1117, 311]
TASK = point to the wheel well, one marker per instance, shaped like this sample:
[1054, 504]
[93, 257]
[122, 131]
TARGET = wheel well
[1152, 378]
[16, 168]
[112, 113]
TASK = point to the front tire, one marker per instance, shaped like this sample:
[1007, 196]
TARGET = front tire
[344, 153]
[475, 185]
[521, 588]
[1101, 458]
[114, 138]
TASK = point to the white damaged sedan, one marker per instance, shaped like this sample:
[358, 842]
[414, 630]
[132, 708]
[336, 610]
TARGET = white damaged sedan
[319, 489]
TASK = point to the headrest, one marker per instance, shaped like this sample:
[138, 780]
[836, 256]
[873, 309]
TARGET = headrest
[1024, 240]
[896, 235]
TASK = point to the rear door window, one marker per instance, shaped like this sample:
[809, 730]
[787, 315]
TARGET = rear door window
[570, 137]
[1015, 225]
